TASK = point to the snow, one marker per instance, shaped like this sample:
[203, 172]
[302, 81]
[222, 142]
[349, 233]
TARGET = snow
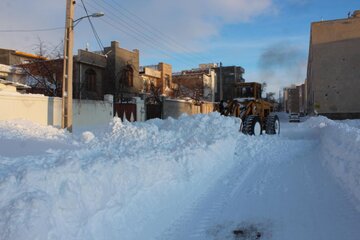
[196, 177]
[340, 145]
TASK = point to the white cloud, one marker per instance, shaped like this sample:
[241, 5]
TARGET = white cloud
[201, 19]
[188, 22]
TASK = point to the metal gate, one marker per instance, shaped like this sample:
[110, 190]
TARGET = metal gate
[126, 109]
[153, 111]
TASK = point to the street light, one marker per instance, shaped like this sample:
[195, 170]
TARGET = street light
[67, 97]
[94, 15]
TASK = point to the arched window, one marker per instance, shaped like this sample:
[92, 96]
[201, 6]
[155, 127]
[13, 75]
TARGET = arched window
[90, 80]
[129, 76]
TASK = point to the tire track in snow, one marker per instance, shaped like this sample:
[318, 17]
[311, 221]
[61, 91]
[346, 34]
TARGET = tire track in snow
[197, 222]
[205, 211]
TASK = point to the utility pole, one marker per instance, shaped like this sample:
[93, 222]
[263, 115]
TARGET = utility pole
[67, 88]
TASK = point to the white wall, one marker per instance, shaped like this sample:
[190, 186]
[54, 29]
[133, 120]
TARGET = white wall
[90, 112]
[47, 110]
[175, 108]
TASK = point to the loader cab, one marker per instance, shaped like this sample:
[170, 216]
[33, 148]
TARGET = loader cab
[249, 90]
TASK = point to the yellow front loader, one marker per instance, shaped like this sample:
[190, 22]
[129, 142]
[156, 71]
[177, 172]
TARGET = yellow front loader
[256, 113]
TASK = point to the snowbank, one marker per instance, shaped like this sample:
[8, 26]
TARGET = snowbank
[117, 184]
[340, 142]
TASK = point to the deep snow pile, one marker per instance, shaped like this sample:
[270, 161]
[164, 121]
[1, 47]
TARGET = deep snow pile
[115, 184]
[340, 142]
[131, 180]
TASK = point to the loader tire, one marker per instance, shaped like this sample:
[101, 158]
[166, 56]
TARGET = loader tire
[251, 126]
[272, 125]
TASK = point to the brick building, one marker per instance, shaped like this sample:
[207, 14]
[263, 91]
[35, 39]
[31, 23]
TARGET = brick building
[199, 83]
[159, 76]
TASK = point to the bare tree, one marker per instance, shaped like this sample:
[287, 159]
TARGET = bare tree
[270, 97]
[43, 73]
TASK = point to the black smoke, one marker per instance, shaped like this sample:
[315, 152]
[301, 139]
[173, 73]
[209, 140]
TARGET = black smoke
[283, 63]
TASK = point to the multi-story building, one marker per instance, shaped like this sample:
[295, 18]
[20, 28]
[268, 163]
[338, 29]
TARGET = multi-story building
[292, 99]
[302, 98]
[199, 83]
[89, 75]
[228, 78]
[122, 72]
[157, 76]
[333, 68]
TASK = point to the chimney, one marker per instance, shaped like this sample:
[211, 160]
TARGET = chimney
[114, 44]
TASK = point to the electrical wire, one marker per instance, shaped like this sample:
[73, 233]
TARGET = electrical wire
[139, 35]
[149, 44]
[154, 35]
[31, 30]
[141, 22]
[98, 40]
[129, 31]
[165, 40]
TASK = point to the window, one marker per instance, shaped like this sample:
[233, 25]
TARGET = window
[130, 77]
[167, 81]
[90, 80]
[127, 76]
[246, 92]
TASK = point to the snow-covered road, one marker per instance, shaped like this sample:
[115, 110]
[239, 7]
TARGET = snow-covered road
[278, 193]
[192, 178]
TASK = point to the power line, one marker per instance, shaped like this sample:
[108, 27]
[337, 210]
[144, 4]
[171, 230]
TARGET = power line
[98, 40]
[147, 34]
[155, 30]
[31, 30]
[139, 36]
[155, 36]
[144, 42]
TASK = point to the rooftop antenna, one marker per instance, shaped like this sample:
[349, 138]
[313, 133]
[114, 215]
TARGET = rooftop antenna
[87, 46]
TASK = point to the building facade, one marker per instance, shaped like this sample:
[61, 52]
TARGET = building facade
[122, 72]
[333, 75]
[294, 99]
[291, 99]
[45, 76]
[11, 73]
[228, 78]
[199, 83]
[14, 57]
[302, 98]
[89, 75]
[94, 74]
[158, 78]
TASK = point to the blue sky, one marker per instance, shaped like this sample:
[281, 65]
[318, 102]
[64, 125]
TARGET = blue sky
[269, 38]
